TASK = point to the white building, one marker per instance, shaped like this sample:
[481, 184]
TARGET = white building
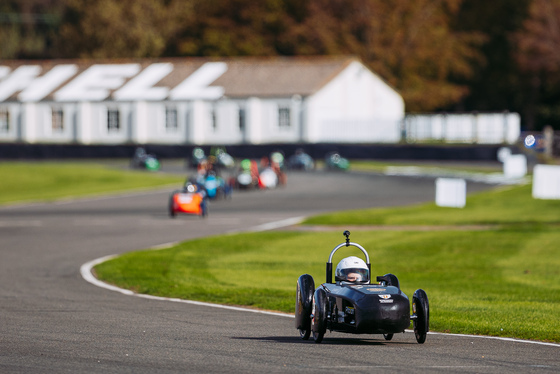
[197, 101]
[478, 128]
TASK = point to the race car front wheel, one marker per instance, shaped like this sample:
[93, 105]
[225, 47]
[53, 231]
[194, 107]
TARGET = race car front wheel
[319, 315]
[304, 334]
[421, 312]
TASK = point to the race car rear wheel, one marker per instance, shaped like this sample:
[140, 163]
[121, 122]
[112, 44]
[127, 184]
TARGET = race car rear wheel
[388, 336]
[319, 315]
[203, 209]
[304, 305]
[421, 311]
[172, 212]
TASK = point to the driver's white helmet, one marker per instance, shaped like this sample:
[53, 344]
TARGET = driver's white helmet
[354, 266]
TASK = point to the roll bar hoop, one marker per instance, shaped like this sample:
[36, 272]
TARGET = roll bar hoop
[347, 244]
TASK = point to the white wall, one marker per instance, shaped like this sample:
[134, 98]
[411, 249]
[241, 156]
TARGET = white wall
[254, 132]
[14, 117]
[155, 123]
[356, 106]
[480, 128]
[36, 122]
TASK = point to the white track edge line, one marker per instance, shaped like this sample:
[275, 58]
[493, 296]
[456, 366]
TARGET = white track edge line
[85, 271]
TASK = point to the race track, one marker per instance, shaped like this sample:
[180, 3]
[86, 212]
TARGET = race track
[53, 321]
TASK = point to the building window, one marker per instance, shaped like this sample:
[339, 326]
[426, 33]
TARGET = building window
[171, 119]
[214, 121]
[113, 120]
[283, 117]
[241, 119]
[4, 120]
[57, 120]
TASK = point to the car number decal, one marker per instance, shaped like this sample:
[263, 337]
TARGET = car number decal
[184, 198]
[385, 299]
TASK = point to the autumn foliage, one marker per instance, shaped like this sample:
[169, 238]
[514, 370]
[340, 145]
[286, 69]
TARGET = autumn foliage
[439, 54]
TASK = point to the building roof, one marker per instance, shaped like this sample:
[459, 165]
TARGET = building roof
[280, 76]
[240, 77]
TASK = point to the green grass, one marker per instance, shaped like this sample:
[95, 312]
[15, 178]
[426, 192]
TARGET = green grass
[379, 166]
[506, 205]
[47, 181]
[501, 281]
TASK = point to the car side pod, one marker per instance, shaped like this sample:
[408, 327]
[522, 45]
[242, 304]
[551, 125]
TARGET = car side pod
[420, 315]
[304, 303]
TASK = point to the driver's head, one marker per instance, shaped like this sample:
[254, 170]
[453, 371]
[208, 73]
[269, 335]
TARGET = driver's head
[352, 269]
[191, 187]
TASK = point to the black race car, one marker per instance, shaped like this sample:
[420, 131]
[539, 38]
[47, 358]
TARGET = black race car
[358, 307]
[301, 161]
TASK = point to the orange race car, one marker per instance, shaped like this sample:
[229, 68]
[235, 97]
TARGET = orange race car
[190, 200]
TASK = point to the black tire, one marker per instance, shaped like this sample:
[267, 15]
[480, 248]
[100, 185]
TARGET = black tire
[319, 312]
[304, 334]
[318, 337]
[388, 336]
[172, 212]
[304, 304]
[421, 311]
[204, 209]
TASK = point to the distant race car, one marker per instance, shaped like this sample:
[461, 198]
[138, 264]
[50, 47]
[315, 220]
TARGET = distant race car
[354, 305]
[189, 200]
[268, 178]
[334, 161]
[216, 187]
[301, 161]
[223, 159]
[143, 160]
[198, 156]
[248, 175]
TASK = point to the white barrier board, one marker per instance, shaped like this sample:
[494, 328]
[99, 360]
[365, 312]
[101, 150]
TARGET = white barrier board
[546, 182]
[451, 192]
[515, 166]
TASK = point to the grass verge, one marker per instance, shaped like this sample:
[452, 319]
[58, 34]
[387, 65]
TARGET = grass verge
[380, 167]
[501, 281]
[48, 181]
[512, 205]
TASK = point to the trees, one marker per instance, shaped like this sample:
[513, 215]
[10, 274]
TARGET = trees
[409, 44]
[439, 54]
[28, 27]
[232, 28]
[413, 45]
[538, 56]
[120, 28]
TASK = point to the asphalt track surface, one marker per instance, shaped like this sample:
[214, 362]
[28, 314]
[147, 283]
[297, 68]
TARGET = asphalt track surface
[53, 321]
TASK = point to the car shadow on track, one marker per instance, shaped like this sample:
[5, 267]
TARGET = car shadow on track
[326, 341]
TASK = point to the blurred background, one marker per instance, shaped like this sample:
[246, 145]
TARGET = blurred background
[442, 56]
